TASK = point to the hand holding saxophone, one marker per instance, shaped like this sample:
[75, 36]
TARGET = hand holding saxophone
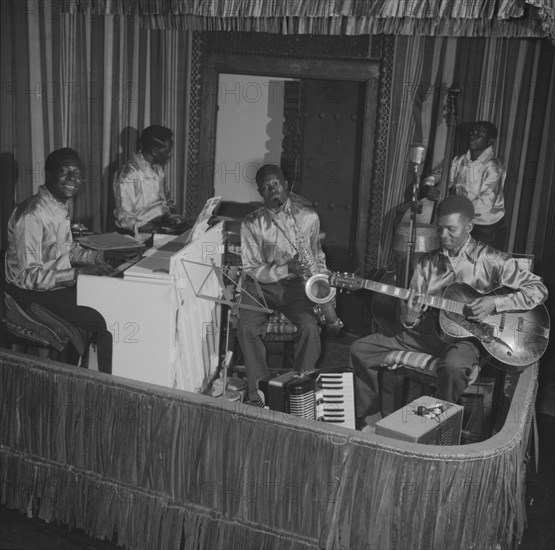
[299, 268]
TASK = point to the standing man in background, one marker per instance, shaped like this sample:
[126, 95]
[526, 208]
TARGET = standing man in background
[480, 176]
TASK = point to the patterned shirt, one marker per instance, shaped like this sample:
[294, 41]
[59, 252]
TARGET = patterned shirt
[140, 193]
[482, 181]
[269, 241]
[484, 268]
[41, 250]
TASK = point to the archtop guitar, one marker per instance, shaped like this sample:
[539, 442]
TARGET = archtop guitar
[513, 339]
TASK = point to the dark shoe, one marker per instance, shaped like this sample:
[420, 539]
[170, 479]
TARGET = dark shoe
[360, 424]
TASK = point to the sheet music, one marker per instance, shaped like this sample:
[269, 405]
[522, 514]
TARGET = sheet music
[201, 225]
[110, 241]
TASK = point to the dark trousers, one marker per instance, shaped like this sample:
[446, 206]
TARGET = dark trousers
[494, 234]
[63, 302]
[289, 298]
[457, 363]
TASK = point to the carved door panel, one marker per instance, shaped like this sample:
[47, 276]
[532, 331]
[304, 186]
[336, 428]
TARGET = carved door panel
[326, 166]
[331, 137]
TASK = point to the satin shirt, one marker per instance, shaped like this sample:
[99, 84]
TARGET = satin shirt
[268, 240]
[481, 180]
[484, 268]
[41, 250]
[140, 193]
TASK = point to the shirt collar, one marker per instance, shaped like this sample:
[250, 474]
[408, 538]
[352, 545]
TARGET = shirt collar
[144, 164]
[282, 211]
[486, 155]
[464, 249]
[51, 199]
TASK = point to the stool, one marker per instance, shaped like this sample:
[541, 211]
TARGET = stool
[279, 340]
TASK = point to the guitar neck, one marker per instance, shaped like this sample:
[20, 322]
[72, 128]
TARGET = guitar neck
[403, 294]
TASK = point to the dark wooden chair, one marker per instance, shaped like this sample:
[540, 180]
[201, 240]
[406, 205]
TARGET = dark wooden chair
[23, 332]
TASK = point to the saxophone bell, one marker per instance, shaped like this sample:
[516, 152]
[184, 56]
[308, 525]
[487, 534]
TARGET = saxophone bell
[320, 292]
[318, 289]
[317, 286]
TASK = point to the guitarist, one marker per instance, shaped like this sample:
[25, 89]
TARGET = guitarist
[460, 258]
[480, 176]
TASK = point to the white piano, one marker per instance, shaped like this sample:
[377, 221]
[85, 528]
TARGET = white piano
[163, 331]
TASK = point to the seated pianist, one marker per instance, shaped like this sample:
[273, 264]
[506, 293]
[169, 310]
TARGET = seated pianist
[42, 260]
[459, 259]
[141, 195]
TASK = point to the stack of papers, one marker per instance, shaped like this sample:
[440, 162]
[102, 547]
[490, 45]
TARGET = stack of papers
[110, 241]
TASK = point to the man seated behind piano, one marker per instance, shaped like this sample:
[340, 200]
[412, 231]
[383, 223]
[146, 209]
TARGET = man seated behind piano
[42, 261]
[460, 259]
[140, 191]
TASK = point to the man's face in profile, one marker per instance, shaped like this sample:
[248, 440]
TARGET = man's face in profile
[163, 153]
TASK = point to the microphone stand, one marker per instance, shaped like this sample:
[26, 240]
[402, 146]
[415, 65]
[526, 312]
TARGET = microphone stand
[411, 244]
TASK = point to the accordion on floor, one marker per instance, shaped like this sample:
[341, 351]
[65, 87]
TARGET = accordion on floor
[327, 394]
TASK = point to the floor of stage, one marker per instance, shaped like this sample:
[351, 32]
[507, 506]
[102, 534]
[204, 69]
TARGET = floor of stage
[17, 532]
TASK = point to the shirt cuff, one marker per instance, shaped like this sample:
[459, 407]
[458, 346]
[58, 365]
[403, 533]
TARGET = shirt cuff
[65, 277]
[99, 258]
[504, 302]
[282, 271]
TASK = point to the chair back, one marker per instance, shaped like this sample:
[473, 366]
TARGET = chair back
[525, 261]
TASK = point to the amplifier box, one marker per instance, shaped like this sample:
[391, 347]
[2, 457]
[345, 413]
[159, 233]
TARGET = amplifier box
[426, 420]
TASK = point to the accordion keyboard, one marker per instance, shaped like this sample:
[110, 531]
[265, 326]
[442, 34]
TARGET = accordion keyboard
[335, 401]
[326, 395]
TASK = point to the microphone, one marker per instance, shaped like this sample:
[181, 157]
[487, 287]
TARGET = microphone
[417, 153]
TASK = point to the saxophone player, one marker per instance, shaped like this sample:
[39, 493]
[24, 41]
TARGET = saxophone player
[271, 257]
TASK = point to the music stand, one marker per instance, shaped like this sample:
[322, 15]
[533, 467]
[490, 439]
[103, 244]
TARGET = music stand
[228, 299]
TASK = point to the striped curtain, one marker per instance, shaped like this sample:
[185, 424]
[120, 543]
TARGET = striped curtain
[91, 83]
[507, 81]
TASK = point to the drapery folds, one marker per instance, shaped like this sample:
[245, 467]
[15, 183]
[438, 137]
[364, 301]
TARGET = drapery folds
[93, 84]
[93, 81]
[531, 18]
[507, 81]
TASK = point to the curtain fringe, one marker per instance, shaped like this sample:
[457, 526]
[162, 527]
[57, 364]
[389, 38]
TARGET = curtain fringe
[130, 516]
[146, 463]
[512, 18]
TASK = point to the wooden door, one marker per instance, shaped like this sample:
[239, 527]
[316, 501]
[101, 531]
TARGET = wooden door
[331, 121]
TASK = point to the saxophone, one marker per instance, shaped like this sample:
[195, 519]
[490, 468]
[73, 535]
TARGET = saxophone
[317, 286]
